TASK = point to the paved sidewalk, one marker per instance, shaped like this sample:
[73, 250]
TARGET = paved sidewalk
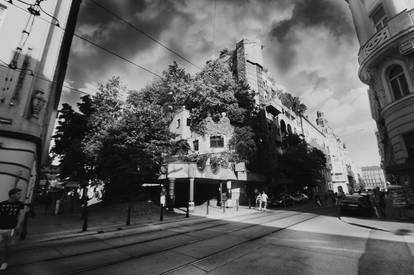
[216, 212]
[112, 217]
[396, 227]
[101, 217]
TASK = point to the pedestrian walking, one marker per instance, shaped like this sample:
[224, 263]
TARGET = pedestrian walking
[11, 218]
[318, 201]
[382, 204]
[263, 203]
[259, 201]
[375, 199]
[341, 195]
[48, 200]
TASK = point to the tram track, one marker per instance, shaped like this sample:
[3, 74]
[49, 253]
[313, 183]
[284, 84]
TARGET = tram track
[240, 223]
[278, 218]
[126, 236]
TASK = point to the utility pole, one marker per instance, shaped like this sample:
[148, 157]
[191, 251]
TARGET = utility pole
[60, 72]
[65, 49]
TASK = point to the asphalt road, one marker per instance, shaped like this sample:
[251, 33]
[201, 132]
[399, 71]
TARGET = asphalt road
[272, 242]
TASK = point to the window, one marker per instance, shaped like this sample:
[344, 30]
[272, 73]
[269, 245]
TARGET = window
[409, 144]
[195, 145]
[379, 18]
[188, 122]
[216, 142]
[398, 82]
[178, 123]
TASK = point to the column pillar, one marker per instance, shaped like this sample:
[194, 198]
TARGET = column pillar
[171, 194]
[191, 198]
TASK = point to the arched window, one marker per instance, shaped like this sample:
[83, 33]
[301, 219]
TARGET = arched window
[398, 82]
[289, 129]
[283, 127]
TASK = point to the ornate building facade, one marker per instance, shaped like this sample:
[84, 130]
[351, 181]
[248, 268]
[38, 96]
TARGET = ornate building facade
[372, 177]
[33, 60]
[385, 30]
[247, 64]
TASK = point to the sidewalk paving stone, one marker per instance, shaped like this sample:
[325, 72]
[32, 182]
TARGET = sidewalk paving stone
[385, 225]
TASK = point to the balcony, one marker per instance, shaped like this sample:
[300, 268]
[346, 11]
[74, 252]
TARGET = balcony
[397, 27]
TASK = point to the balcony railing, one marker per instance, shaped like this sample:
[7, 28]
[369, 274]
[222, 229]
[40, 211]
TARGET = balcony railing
[396, 27]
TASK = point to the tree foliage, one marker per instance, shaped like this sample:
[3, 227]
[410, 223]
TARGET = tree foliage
[107, 107]
[293, 103]
[122, 142]
[300, 162]
[70, 131]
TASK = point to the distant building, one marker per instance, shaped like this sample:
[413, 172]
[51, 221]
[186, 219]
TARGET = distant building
[31, 63]
[247, 63]
[342, 167]
[372, 177]
[385, 30]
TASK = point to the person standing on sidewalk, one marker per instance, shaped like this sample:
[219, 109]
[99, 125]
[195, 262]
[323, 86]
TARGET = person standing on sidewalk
[259, 201]
[263, 202]
[382, 204]
[376, 202]
[11, 217]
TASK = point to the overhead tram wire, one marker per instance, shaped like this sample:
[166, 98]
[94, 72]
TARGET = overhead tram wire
[154, 39]
[112, 52]
[94, 44]
[144, 33]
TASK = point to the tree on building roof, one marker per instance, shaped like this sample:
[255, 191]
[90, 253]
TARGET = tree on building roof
[293, 103]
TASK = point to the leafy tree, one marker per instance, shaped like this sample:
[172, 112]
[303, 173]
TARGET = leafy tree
[293, 103]
[71, 130]
[300, 162]
[213, 94]
[132, 150]
[107, 107]
[171, 91]
[126, 140]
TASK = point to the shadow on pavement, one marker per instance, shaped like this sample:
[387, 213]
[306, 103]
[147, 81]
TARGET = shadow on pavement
[272, 242]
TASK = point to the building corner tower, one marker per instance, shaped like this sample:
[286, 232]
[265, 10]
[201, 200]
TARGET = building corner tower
[385, 30]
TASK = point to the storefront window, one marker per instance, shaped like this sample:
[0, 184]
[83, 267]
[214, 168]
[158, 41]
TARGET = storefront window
[409, 144]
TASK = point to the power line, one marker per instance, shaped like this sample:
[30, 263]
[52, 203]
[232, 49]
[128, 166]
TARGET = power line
[95, 44]
[115, 54]
[144, 33]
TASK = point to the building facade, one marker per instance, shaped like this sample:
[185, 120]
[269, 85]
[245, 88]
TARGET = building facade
[385, 30]
[343, 169]
[30, 65]
[373, 177]
[247, 65]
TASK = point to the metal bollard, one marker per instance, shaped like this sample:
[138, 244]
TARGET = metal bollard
[85, 218]
[208, 204]
[24, 230]
[187, 214]
[128, 221]
[161, 212]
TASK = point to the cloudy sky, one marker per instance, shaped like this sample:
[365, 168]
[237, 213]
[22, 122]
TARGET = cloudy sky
[309, 46]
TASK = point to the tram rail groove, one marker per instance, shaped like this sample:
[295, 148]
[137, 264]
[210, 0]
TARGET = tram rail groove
[101, 265]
